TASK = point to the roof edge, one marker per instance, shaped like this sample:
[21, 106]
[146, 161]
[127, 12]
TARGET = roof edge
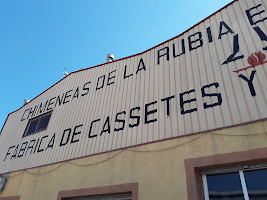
[127, 56]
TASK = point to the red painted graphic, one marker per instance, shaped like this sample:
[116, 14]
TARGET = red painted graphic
[255, 59]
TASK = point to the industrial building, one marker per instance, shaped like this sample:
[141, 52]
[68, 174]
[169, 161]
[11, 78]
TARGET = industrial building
[186, 119]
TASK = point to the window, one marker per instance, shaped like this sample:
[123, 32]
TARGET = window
[128, 191]
[37, 124]
[108, 197]
[207, 165]
[247, 182]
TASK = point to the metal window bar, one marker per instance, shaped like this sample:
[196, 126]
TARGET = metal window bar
[32, 127]
[39, 119]
[243, 183]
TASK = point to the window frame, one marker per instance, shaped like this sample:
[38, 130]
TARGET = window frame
[226, 170]
[10, 198]
[195, 166]
[32, 119]
[122, 196]
[104, 190]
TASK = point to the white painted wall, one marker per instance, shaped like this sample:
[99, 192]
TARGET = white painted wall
[149, 87]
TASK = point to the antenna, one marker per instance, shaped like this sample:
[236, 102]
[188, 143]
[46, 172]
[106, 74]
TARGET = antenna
[66, 73]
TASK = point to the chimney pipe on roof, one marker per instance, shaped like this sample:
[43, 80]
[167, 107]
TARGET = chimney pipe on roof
[26, 101]
[110, 57]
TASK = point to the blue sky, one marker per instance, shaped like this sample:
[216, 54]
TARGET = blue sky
[38, 38]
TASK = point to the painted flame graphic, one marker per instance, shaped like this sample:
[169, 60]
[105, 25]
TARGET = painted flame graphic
[254, 60]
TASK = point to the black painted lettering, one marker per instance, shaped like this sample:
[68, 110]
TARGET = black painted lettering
[249, 82]
[183, 49]
[101, 86]
[40, 150]
[14, 155]
[51, 142]
[261, 34]
[68, 137]
[229, 30]
[30, 146]
[120, 120]
[109, 78]
[42, 109]
[91, 126]
[107, 123]
[66, 97]
[35, 110]
[23, 115]
[134, 117]
[75, 133]
[50, 103]
[141, 62]
[76, 94]
[32, 112]
[86, 88]
[160, 55]
[36, 145]
[232, 57]
[182, 102]
[168, 104]
[250, 17]
[149, 113]
[209, 34]
[218, 95]
[126, 76]
[199, 39]
[59, 100]
[8, 152]
[22, 149]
